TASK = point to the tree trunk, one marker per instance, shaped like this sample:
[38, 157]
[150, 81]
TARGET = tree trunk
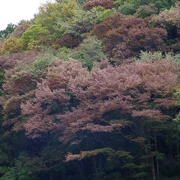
[156, 149]
[177, 148]
[153, 168]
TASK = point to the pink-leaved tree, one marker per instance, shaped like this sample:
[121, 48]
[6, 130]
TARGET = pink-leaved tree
[71, 99]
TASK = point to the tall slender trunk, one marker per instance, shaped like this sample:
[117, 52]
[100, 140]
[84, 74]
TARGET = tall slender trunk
[153, 168]
[156, 149]
[51, 176]
[177, 148]
[153, 171]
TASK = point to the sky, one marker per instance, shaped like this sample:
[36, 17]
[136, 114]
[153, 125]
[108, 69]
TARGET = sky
[13, 11]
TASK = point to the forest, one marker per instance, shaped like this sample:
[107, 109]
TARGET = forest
[90, 90]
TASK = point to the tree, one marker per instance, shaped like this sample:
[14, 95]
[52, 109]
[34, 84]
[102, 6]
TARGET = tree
[73, 101]
[12, 45]
[150, 6]
[92, 118]
[146, 10]
[52, 16]
[96, 104]
[35, 36]
[133, 33]
[69, 40]
[88, 52]
[94, 3]
[169, 19]
[20, 29]
[7, 32]
[83, 21]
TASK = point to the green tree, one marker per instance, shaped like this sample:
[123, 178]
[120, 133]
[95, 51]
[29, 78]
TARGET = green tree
[52, 16]
[83, 21]
[130, 6]
[35, 36]
[7, 32]
[89, 51]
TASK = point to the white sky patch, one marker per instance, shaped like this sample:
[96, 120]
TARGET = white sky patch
[13, 11]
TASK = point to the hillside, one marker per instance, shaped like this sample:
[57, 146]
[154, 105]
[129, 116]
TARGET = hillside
[90, 90]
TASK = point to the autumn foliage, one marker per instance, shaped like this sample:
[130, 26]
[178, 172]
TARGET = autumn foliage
[93, 3]
[89, 92]
[68, 40]
[70, 99]
[12, 45]
[130, 31]
[7, 62]
[169, 20]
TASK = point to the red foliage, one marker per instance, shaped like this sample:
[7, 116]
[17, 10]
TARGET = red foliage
[10, 61]
[93, 3]
[19, 84]
[169, 19]
[69, 40]
[70, 98]
[130, 31]
[121, 52]
[51, 94]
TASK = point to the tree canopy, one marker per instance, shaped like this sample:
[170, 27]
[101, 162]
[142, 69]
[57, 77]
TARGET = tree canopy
[90, 90]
